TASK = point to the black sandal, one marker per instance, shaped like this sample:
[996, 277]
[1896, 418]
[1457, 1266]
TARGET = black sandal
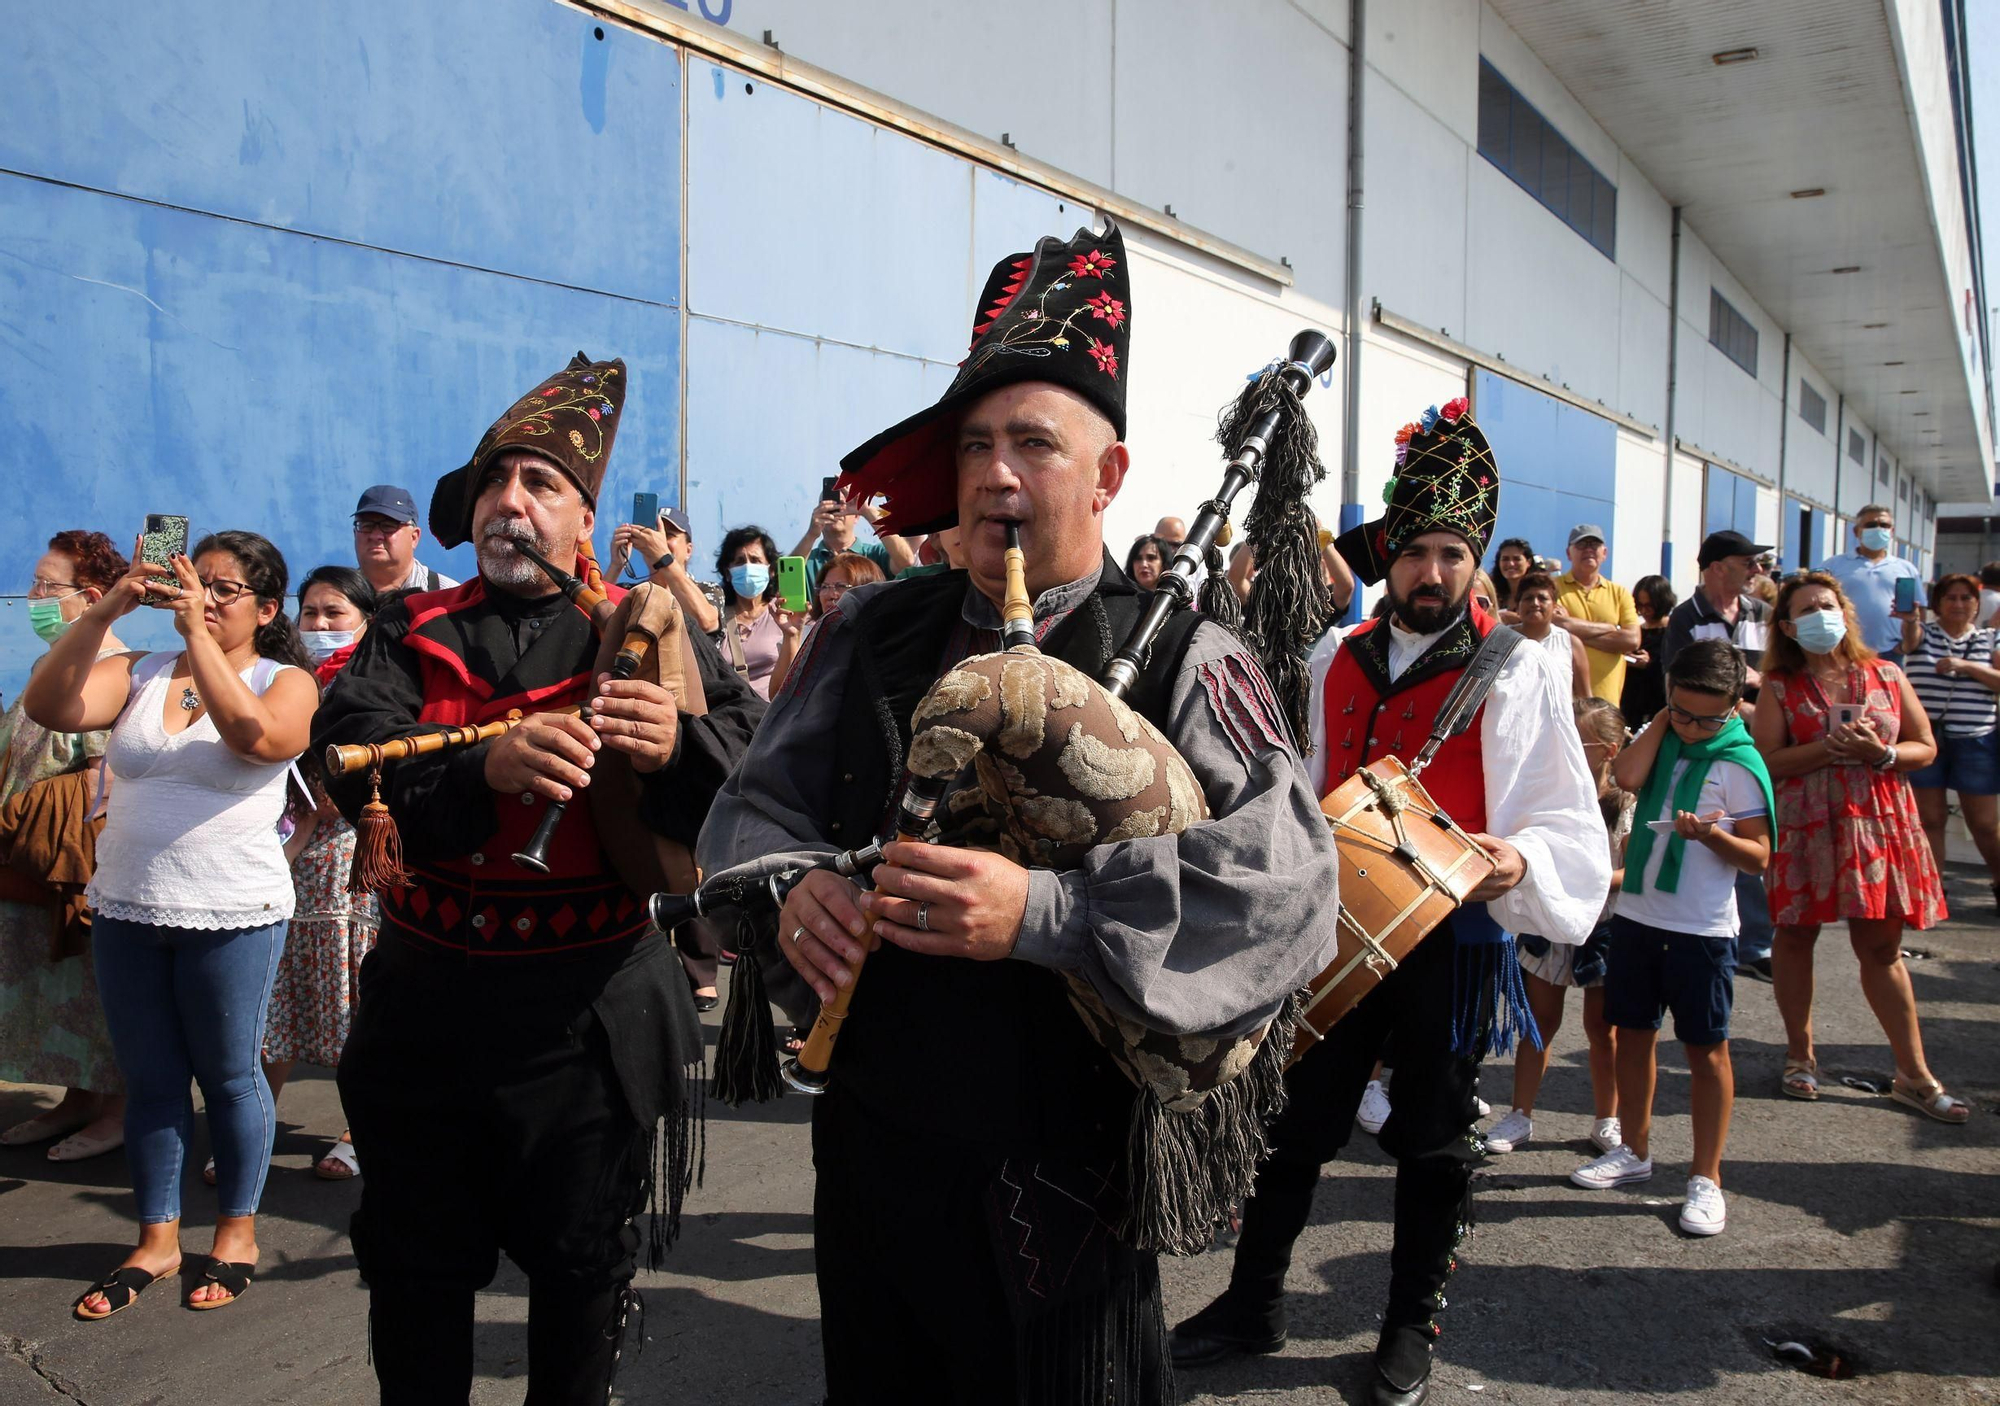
[231, 1276]
[121, 1289]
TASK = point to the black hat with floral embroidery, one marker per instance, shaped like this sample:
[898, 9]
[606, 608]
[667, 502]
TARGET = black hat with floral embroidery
[1445, 481]
[1061, 314]
[570, 419]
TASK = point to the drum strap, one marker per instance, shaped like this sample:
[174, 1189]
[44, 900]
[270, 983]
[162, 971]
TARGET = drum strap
[1462, 704]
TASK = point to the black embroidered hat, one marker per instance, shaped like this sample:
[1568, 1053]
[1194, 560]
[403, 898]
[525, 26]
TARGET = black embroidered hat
[1061, 314]
[570, 419]
[1446, 480]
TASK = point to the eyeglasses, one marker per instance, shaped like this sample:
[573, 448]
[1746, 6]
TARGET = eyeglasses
[223, 592]
[1700, 720]
[835, 588]
[378, 527]
[40, 588]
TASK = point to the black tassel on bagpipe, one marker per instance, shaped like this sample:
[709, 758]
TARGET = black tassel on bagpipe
[1289, 607]
[746, 1048]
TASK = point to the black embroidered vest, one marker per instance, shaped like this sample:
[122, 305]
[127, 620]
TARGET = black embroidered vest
[985, 1052]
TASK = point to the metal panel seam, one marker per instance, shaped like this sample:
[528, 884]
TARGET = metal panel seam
[820, 85]
[336, 239]
[1416, 332]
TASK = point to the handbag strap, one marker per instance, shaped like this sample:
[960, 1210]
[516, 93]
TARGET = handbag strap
[1462, 703]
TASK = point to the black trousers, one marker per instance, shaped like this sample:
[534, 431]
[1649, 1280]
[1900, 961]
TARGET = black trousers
[914, 1302]
[485, 1109]
[1407, 1020]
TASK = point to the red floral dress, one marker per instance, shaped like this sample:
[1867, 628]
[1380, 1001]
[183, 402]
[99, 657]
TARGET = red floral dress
[1850, 843]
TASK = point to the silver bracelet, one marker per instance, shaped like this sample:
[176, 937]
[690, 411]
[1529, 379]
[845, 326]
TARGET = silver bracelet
[1887, 761]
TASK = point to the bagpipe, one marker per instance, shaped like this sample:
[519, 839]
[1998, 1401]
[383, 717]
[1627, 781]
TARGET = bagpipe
[651, 642]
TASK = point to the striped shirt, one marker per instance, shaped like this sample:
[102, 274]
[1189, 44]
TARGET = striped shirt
[1963, 707]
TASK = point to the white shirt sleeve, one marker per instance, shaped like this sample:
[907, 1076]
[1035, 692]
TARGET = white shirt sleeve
[1742, 798]
[1541, 800]
[1316, 670]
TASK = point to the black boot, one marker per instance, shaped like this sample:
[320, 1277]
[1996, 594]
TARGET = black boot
[1249, 1317]
[575, 1340]
[1402, 1374]
[1433, 1213]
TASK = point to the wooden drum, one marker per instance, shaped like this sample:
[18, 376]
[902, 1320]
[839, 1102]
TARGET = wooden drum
[1404, 866]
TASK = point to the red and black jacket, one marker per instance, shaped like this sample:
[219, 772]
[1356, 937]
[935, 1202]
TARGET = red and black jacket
[467, 655]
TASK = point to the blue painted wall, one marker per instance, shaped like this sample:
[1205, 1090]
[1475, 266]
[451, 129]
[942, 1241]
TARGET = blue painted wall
[256, 257]
[1729, 503]
[1557, 463]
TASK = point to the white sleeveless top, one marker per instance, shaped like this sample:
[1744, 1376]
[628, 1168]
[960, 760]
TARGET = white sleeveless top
[191, 835]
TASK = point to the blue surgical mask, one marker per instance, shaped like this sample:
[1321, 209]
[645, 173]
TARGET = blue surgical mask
[322, 645]
[750, 579]
[1820, 631]
[1876, 539]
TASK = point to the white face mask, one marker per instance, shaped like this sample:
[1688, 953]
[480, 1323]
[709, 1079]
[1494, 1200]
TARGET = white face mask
[322, 645]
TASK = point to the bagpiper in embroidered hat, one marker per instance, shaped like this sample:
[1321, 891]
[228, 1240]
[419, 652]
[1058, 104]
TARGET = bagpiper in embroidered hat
[570, 419]
[1061, 314]
[1445, 480]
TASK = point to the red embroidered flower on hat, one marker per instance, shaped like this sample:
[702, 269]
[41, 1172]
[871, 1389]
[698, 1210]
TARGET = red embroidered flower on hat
[1107, 357]
[1095, 264]
[1106, 307]
[1455, 408]
[593, 412]
[551, 392]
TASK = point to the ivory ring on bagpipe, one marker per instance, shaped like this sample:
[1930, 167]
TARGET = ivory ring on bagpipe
[923, 917]
[798, 933]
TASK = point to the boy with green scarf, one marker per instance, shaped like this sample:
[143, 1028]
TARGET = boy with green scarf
[1704, 815]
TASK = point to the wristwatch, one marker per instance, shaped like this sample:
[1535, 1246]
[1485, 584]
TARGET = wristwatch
[663, 561]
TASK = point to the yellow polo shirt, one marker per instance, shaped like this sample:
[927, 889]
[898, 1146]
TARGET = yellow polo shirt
[1607, 603]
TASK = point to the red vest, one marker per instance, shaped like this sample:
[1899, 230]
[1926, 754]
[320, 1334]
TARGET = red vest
[1368, 717]
[483, 903]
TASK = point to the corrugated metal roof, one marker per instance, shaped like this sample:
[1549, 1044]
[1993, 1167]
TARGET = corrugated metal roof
[1822, 106]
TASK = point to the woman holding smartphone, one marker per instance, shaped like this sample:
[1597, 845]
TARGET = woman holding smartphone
[192, 892]
[1840, 731]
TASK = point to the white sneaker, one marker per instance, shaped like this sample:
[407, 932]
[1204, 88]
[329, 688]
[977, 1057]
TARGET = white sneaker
[1704, 1213]
[1481, 1108]
[1374, 1110]
[1605, 1134]
[1510, 1132]
[1615, 1168]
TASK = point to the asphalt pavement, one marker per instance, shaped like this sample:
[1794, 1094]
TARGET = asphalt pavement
[1855, 1226]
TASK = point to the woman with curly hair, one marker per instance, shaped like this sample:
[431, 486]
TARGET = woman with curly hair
[191, 893]
[1841, 730]
[51, 1021]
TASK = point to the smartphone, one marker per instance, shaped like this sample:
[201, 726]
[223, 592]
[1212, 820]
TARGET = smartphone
[166, 537]
[646, 510]
[827, 492]
[1841, 714]
[792, 591]
[1906, 594]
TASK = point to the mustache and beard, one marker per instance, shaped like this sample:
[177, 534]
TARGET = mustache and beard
[1428, 609]
[500, 564]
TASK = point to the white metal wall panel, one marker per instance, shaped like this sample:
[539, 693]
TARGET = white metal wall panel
[1645, 231]
[1416, 266]
[1430, 54]
[1039, 70]
[1197, 335]
[1234, 115]
[1639, 511]
[804, 218]
[1522, 265]
[1767, 514]
[1642, 352]
[1689, 475]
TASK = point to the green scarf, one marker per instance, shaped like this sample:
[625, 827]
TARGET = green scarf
[1730, 744]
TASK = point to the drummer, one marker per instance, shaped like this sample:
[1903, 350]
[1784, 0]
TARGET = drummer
[1516, 779]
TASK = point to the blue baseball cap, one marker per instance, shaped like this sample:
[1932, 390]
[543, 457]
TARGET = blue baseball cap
[387, 500]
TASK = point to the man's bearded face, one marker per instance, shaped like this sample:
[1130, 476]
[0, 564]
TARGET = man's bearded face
[1430, 581]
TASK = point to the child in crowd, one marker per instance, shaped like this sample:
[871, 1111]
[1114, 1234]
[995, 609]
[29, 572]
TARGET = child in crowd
[1704, 815]
[1551, 968]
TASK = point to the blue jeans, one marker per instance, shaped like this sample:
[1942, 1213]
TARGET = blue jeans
[188, 1005]
[1753, 914]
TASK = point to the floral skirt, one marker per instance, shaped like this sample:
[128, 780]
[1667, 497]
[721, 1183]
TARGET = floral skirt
[319, 975]
[1855, 866]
